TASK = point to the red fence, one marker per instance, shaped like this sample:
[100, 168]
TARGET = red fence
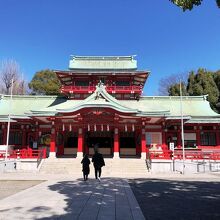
[24, 154]
[196, 155]
[111, 89]
[189, 154]
[159, 154]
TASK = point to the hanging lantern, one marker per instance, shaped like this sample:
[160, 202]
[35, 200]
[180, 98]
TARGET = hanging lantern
[101, 127]
[70, 127]
[107, 127]
[95, 127]
[63, 127]
[126, 128]
[88, 127]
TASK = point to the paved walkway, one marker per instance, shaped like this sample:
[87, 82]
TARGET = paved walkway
[112, 198]
[69, 197]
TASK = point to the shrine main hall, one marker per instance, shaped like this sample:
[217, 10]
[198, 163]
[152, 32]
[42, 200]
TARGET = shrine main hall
[101, 102]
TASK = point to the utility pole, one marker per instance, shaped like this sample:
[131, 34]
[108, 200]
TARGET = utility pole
[182, 127]
[9, 120]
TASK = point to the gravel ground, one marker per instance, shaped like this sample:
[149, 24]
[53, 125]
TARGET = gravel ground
[10, 187]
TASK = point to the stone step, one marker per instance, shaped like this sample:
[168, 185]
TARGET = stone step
[113, 167]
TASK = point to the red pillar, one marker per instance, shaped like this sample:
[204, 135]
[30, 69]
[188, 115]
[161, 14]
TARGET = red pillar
[53, 142]
[198, 139]
[80, 143]
[116, 143]
[143, 144]
[164, 146]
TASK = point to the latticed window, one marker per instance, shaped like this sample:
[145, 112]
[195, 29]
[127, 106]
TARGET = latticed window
[190, 140]
[153, 138]
[208, 139]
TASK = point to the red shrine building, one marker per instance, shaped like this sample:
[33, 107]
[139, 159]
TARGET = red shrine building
[102, 103]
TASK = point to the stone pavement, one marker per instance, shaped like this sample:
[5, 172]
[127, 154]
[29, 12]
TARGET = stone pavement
[112, 198]
[10, 187]
[160, 196]
[178, 199]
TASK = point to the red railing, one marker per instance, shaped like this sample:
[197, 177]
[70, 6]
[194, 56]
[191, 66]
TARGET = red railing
[24, 154]
[123, 89]
[197, 155]
[110, 89]
[160, 154]
[189, 154]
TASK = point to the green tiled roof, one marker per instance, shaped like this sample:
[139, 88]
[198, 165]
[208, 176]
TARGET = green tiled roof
[192, 105]
[21, 104]
[102, 62]
[196, 109]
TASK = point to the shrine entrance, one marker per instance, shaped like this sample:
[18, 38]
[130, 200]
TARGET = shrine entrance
[70, 144]
[127, 144]
[104, 141]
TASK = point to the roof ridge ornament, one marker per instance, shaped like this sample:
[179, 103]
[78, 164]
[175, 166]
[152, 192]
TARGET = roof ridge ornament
[99, 89]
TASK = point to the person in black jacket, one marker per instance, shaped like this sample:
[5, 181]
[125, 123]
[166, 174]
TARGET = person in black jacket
[85, 167]
[98, 162]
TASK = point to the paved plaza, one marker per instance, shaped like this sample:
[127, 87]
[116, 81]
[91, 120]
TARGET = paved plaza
[111, 198]
[166, 197]
[178, 199]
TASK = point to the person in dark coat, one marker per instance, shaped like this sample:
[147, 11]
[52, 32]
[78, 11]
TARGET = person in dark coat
[85, 167]
[98, 162]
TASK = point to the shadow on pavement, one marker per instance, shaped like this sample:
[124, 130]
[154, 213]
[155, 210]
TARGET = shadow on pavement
[177, 200]
[89, 199]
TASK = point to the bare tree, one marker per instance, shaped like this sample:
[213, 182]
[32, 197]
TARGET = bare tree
[10, 70]
[166, 82]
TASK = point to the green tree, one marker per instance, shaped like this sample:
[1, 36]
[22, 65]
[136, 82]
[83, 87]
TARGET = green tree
[166, 84]
[216, 77]
[202, 84]
[174, 90]
[189, 4]
[45, 82]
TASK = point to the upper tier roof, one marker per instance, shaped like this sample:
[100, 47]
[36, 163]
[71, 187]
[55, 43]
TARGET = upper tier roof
[102, 63]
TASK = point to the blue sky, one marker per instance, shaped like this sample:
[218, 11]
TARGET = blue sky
[42, 34]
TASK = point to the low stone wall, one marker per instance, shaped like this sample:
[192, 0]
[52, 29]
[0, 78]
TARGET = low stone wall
[161, 166]
[7, 166]
[23, 165]
[190, 166]
[27, 165]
